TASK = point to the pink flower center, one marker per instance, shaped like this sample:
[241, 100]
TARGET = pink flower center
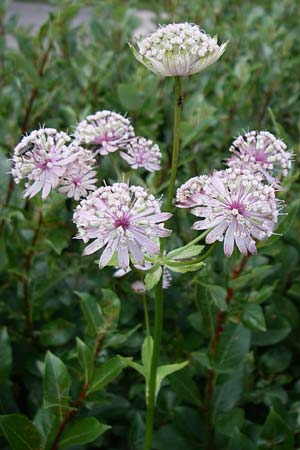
[104, 138]
[122, 222]
[44, 165]
[76, 181]
[260, 157]
[237, 208]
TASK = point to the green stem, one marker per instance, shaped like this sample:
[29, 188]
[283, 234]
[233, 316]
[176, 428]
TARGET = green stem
[158, 319]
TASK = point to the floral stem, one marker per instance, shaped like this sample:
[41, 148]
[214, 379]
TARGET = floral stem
[158, 318]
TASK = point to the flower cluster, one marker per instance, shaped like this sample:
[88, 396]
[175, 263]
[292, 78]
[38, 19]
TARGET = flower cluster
[178, 49]
[46, 160]
[106, 131]
[238, 205]
[261, 152]
[80, 176]
[141, 152]
[124, 220]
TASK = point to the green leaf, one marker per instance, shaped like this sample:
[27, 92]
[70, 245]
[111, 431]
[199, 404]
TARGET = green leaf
[86, 359]
[129, 97]
[108, 371]
[188, 251]
[191, 267]
[233, 348]
[217, 294]
[278, 328]
[147, 350]
[185, 388]
[5, 356]
[92, 313]
[47, 422]
[164, 371]
[255, 275]
[20, 432]
[227, 421]
[57, 332]
[240, 442]
[111, 308]
[276, 433]
[82, 432]
[57, 384]
[253, 317]
[153, 277]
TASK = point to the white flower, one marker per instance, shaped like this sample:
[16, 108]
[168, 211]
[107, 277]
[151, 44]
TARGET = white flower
[42, 158]
[237, 208]
[138, 287]
[124, 219]
[178, 49]
[80, 176]
[141, 152]
[262, 153]
[105, 131]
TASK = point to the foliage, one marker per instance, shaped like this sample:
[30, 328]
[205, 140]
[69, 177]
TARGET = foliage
[70, 333]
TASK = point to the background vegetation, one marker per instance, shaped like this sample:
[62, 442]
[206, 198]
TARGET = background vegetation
[49, 293]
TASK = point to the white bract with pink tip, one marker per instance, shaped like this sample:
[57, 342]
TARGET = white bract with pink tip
[42, 158]
[124, 220]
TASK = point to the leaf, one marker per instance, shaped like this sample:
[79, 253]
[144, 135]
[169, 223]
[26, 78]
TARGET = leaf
[57, 332]
[188, 251]
[217, 294]
[47, 422]
[147, 350]
[92, 313]
[20, 432]
[82, 432]
[253, 317]
[240, 442]
[5, 356]
[153, 277]
[229, 420]
[57, 384]
[278, 328]
[228, 393]
[233, 347]
[86, 359]
[207, 310]
[164, 371]
[108, 371]
[111, 308]
[185, 268]
[276, 433]
[185, 388]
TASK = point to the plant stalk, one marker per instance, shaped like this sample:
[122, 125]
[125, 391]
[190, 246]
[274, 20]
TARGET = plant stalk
[158, 314]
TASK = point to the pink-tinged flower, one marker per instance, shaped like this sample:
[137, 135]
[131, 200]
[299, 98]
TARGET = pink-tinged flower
[106, 131]
[167, 278]
[237, 208]
[138, 287]
[42, 158]
[124, 220]
[141, 152]
[178, 49]
[190, 192]
[80, 176]
[261, 152]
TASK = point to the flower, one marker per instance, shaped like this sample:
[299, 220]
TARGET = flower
[178, 49]
[42, 157]
[238, 208]
[141, 152]
[167, 278]
[124, 219]
[261, 152]
[106, 131]
[138, 287]
[188, 194]
[80, 176]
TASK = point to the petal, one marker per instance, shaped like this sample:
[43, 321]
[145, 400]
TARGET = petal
[108, 252]
[216, 233]
[135, 251]
[123, 256]
[229, 238]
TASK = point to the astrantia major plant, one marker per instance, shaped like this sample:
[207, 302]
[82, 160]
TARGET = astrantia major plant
[123, 225]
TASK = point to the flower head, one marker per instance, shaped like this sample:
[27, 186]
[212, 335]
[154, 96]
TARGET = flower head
[238, 209]
[42, 158]
[138, 287]
[189, 194]
[178, 49]
[80, 175]
[141, 152]
[124, 219]
[106, 131]
[261, 152]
